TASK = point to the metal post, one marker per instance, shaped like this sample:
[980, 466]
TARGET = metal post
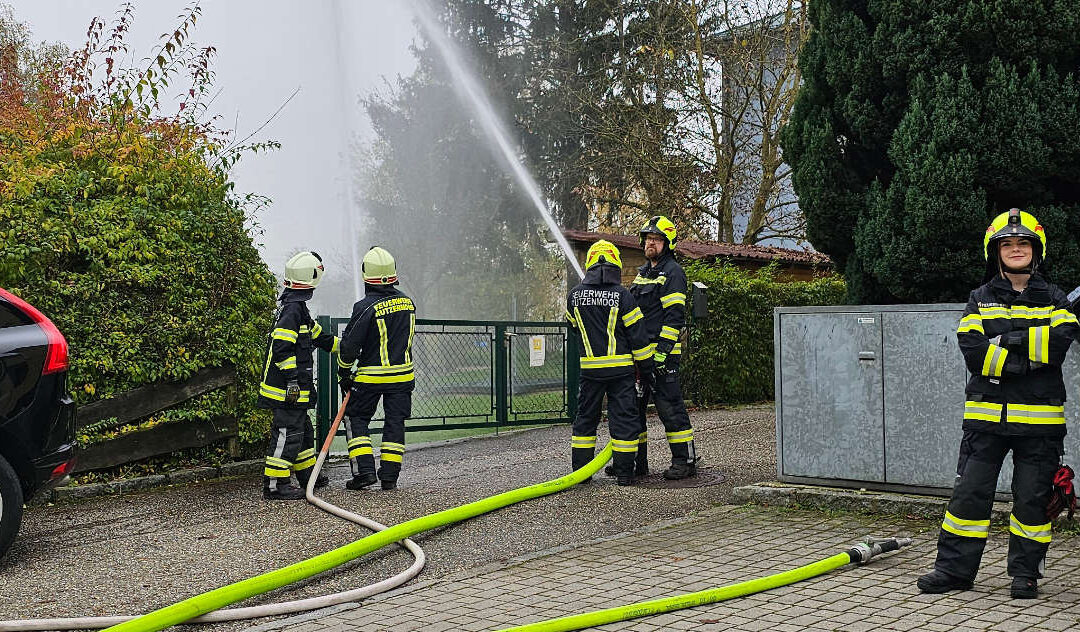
[501, 376]
[327, 407]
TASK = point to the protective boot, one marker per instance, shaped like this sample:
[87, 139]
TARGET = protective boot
[388, 485]
[641, 461]
[360, 481]
[1024, 588]
[303, 476]
[281, 489]
[937, 582]
[683, 461]
[679, 471]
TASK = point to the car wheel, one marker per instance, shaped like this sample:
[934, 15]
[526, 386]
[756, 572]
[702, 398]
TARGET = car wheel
[11, 505]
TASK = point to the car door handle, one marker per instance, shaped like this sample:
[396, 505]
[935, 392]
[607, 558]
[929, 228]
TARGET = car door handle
[867, 355]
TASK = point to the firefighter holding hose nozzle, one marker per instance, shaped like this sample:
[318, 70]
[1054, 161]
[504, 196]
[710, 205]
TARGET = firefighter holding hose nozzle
[1014, 334]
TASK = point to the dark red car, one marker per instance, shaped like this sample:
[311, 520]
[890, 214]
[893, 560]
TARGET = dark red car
[37, 415]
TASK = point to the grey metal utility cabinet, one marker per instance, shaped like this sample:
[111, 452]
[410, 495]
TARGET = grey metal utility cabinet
[873, 396]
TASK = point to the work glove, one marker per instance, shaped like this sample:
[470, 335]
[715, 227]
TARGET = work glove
[292, 392]
[345, 381]
[659, 365]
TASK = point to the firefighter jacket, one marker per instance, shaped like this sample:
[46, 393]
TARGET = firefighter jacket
[289, 353]
[378, 339]
[660, 291]
[611, 335]
[1013, 344]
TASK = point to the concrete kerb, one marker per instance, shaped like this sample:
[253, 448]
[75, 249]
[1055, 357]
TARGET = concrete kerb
[818, 498]
[69, 493]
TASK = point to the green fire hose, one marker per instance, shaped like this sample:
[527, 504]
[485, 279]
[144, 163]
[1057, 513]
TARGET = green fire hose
[221, 597]
[860, 553]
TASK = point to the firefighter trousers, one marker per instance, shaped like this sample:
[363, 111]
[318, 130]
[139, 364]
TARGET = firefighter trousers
[292, 448]
[967, 520]
[397, 407]
[667, 395]
[622, 422]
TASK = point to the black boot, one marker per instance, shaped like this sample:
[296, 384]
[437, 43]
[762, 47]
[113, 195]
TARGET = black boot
[322, 481]
[679, 471]
[625, 480]
[388, 485]
[360, 481]
[282, 489]
[303, 476]
[936, 582]
[1024, 588]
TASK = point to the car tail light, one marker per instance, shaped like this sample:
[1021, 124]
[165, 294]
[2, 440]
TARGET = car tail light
[62, 470]
[56, 356]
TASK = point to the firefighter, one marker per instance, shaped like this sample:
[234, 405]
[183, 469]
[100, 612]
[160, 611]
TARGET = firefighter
[611, 341]
[660, 291]
[287, 386]
[1014, 334]
[379, 340]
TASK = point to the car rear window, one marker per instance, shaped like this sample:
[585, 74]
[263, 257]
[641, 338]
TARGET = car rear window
[10, 317]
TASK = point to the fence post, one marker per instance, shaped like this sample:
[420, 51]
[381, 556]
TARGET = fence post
[502, 404]
[326, 389]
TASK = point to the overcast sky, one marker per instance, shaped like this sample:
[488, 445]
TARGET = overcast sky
[332, 50]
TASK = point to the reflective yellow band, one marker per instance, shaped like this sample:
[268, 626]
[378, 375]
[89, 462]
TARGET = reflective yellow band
[982, 411]
[640, 280]
[1039, 532]
[276, 473]
[384, 353]
[316, 330]
[1035, 414]
[971, 323]
[1021, 311]
[618, 445]
[273, 461]
[1062, 316]
[643, 437]
[584, 335]
[1039, 344]
[613, 319]
[355, 441]
[631, 317]
[287, 335]
[965, 528]
[287, 363]
[345, 365]
[355, 452]
[994, 312]
[390, 445]
[675, 298]
[337, 344]
[994, 361]
[306, 453]
[384, 379]
[643, 353]
[384, 370]
[602, 362]
[390, 456]
[278, 394]
[303, 465]
[681, 436]
[583, 442]
[677, 349]
[669, 332]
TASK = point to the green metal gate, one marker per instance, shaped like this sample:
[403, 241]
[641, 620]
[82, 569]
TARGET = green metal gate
[474, 374]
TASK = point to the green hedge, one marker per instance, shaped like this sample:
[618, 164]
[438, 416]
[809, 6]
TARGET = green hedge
[731, 352]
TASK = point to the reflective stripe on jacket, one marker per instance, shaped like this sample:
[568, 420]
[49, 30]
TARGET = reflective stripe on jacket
[1017, 390]
[379, 340]
[609, 324]
[660, 292]
[289, 353]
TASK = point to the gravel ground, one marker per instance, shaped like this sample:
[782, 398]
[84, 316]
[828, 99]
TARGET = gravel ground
[132, 554]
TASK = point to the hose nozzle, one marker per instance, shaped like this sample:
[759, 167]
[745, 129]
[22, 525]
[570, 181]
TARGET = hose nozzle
[871, 546]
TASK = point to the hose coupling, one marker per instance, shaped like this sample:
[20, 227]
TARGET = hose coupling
[862, 552]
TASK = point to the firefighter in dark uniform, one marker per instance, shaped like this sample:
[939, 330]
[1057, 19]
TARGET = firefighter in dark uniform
[660, 290]
[378, 339]
[287, 386]
[611, 341]
[1014, 334]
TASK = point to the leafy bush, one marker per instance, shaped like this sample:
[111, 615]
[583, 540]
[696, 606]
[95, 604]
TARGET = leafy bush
[731, 352]
[122, 226]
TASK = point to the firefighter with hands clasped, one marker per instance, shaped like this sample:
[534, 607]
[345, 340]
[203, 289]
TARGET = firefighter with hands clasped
[287, 385]
[660, 292]
[1014, 334]
[611, 342]
[378, 339]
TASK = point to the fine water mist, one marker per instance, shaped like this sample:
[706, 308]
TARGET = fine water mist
[469, 88]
